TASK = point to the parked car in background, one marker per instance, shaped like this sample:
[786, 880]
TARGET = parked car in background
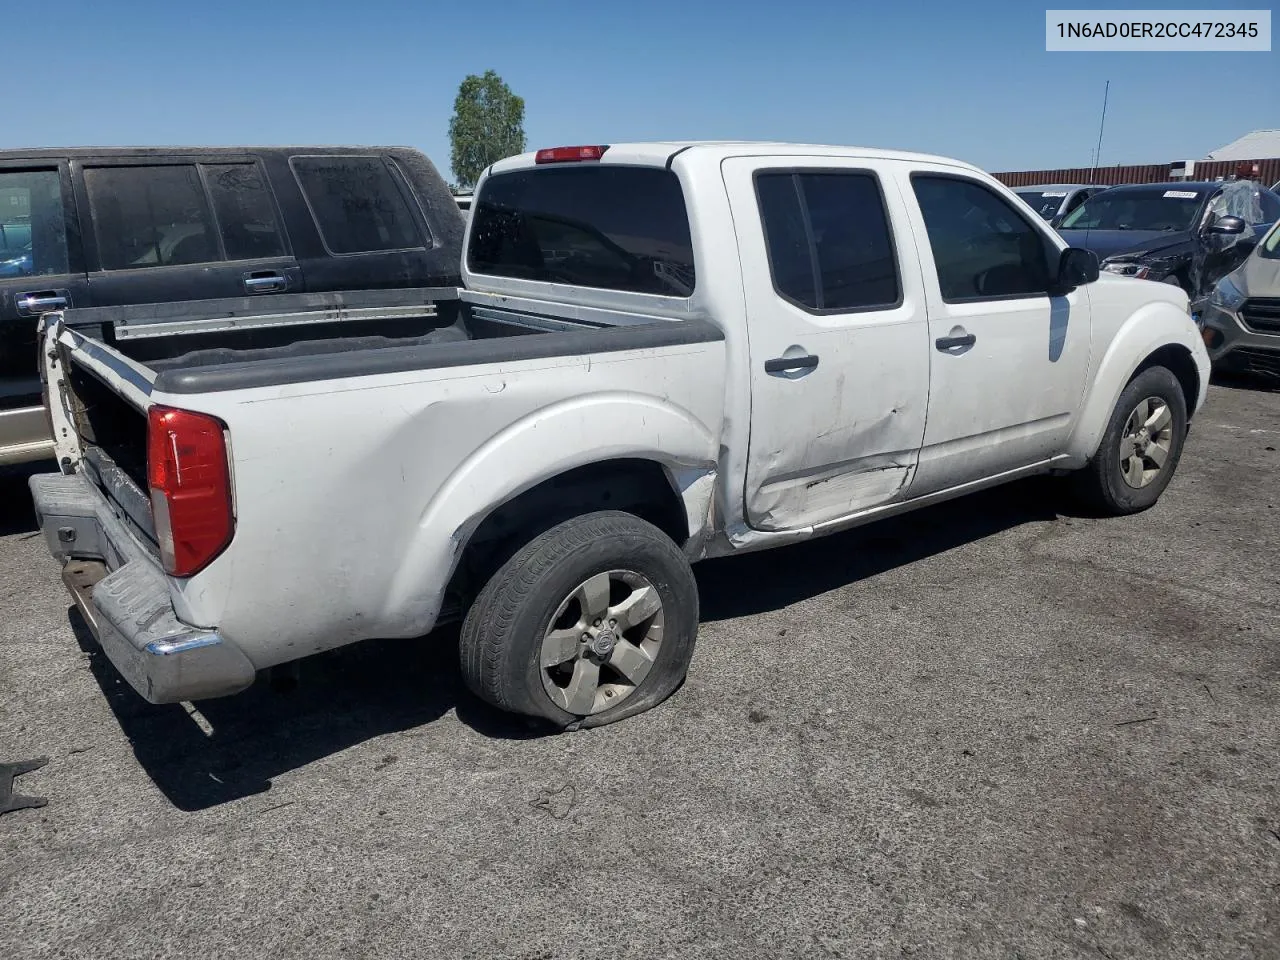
[662, 352]
[464, 202]
[1052, 201]
[108, 227]
[1241, 321]
[1186, 234]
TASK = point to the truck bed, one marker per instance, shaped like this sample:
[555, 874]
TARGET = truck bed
[216, 345]
[374, 430]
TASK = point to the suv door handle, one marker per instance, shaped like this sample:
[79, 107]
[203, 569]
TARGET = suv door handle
[266, 282]
[40, 301]
[786, 364]
[950, 343]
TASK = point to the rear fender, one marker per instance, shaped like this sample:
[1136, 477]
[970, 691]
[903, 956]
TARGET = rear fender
[566, 435]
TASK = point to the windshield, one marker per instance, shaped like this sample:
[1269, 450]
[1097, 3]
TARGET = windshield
[613, 227]
[1120, 209]
[1047, 203]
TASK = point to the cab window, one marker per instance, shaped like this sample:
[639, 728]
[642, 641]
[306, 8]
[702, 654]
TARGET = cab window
[983, 249]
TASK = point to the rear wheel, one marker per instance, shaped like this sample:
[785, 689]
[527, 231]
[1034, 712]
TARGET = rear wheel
[590, 622]
[1141, 447]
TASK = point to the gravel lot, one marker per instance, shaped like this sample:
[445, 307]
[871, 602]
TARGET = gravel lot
[985, 730]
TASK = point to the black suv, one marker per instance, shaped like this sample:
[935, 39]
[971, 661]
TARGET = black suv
[1188, 234]
[104, 227]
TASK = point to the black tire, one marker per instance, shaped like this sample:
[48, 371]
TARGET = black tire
[1102, 483]
[502, 635]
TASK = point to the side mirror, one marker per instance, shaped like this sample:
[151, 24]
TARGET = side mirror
[1228, 226]
[1076, 267]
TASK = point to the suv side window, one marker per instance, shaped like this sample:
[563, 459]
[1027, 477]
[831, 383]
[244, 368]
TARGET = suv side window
[827, 233]
[245, 211]
[357, 204]
[33, 227]
[982, 248]
[150, 216]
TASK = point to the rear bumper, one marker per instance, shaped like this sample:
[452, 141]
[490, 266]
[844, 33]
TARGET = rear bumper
[123, 595]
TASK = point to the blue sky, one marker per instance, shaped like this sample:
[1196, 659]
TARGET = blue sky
[970, 80]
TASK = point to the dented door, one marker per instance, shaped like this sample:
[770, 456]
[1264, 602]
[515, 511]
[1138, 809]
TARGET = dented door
[838, 333]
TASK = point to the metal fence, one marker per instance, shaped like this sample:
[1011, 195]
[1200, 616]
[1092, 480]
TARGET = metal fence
[1265, 171]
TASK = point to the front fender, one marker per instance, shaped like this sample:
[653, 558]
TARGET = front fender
[549, 441]
[1148, 329]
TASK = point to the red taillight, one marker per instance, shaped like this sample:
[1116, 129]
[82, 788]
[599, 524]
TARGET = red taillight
[568, 154]
[190, 488]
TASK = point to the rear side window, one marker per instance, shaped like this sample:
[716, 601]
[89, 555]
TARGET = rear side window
[828, 238]
[610, 227]
[246, 215]
[33, 226]
[150, 216]
[983, 249]
[357, 204]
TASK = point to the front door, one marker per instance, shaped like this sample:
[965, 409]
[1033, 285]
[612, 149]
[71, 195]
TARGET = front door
[838, 338]
[1010, 358]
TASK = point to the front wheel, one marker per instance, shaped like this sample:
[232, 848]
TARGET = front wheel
[590, 622]
[1141, 447]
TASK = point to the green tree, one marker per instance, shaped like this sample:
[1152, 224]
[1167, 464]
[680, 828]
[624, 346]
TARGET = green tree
[487, 125]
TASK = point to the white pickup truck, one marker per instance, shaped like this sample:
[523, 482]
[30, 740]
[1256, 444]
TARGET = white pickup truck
[661, 352]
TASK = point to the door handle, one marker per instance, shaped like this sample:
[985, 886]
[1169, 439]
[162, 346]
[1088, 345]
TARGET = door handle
[40, 301]
[266, 282]
[786, 364]
[950, 343]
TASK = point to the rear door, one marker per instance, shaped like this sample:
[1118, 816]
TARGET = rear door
[839, 337]
[41, 269]
[367, 228]
[162, 229]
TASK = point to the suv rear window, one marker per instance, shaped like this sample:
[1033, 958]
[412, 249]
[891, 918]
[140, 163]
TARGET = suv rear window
[356, 204]
[610, 227]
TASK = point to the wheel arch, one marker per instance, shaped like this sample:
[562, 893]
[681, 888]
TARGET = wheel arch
[1157, 335]
[1177, 359]
[639, 486]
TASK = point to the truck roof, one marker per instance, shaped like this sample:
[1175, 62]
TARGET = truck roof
[663, 152]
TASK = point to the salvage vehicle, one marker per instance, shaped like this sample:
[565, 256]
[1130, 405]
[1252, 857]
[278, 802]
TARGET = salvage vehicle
[130, 225]
[1241, 321]
[659, 353]
[1186, 234]
[1053, 201]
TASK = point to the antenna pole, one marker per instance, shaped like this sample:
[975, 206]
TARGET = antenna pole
[1097, 156]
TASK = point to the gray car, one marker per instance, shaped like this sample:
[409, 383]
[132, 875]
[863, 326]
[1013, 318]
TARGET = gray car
[1241, 321]
[1055, 200]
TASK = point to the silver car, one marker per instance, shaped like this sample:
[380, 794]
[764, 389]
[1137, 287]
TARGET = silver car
[1241, 320]
[1053, 201]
